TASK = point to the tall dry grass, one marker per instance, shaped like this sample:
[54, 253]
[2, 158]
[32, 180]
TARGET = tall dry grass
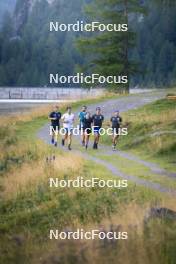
[143, 246]
[164, 118]
[29, 115]
[29, 176]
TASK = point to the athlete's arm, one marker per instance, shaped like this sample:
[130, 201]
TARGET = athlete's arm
[63, 118]
[50, 117]
[73, 117]
[59, 115]
[110, 122]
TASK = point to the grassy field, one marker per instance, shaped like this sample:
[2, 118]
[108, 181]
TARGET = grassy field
[151, 133]
[29, 208]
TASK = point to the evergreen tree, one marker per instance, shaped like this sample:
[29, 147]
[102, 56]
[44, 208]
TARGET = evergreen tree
[109, 51]
[157, 45]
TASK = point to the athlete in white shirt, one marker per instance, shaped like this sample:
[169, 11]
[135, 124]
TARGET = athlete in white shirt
[68, 120]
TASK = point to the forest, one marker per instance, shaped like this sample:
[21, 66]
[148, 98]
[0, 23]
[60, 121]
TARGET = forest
[29, 52]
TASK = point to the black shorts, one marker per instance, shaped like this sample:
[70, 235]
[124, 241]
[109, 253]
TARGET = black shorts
[55, 127]
[115, 131]
[87, 130]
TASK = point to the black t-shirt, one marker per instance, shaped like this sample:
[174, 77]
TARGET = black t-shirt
[116, 121]
[56, 115]
[87, 122]
[98, 120]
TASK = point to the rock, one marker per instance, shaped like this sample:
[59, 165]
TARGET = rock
[19, 240]
[22, 12]
[160, 212]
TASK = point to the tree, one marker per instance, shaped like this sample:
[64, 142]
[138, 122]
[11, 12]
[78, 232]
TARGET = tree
[157, 45]
[109, 51]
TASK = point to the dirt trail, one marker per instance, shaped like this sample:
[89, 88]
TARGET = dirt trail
[122, 104]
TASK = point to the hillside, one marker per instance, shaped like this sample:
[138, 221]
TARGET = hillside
[25, 36]
[7, 5]
[30, 41]
[30, 208]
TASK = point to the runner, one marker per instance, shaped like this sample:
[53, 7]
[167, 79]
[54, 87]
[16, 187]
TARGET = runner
[55, 117]
[98, 119]
[82, 115]
[68, 119]
[87, 128]
[116, 121]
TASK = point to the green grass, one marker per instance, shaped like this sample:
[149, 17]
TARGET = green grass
[144, 121]
[42, 209]
[140, 171]
[27, 217]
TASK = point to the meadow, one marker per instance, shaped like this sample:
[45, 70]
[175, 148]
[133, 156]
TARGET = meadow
[29, 208]
[151, 132]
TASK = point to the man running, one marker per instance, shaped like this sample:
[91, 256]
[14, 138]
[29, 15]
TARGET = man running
[82, 115]
[55, 117]
[116, 121]
[68, 119]
[98, 119]
[87, 128]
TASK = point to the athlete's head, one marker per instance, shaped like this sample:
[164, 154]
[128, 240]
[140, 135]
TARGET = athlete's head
[84, 108]
[88, 115]
[55, 108]
[69, 109]
[116, 113]
[98, 110]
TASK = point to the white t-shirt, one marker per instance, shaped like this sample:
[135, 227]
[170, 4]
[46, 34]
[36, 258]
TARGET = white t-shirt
[68, 120]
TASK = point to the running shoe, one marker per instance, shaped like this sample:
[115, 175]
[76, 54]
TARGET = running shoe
[55, 144]
[113, 147]
[69, 147]
[63, 142]
[95, 146]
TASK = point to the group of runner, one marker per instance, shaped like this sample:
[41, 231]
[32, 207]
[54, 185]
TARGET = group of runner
[88, 124]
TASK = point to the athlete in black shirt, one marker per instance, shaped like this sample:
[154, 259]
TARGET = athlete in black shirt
[116, 121]
[98, 119]
[55, 117]
[87, 122]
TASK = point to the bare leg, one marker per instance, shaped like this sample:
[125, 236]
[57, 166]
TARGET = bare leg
[52, 137]
[96, 140]
[87, 136]
[69, 140]
[114, 141]
[83, 137]
[64, 139]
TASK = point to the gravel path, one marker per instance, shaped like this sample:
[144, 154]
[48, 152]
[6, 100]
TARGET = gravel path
[126, 103]
[122, 104]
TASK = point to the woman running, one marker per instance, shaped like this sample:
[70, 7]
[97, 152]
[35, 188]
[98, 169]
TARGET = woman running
[68, 119]
[98, 119]
[87, 121]
[82, 115]
[55, 117]
[116, 121]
